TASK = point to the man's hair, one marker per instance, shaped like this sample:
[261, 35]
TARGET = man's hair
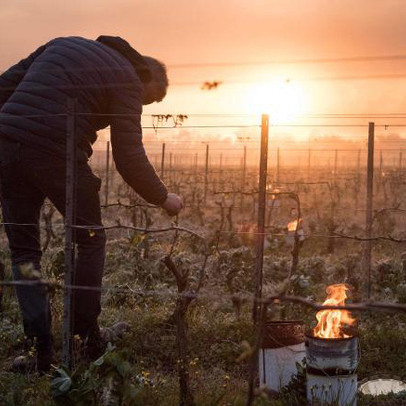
[158, 75]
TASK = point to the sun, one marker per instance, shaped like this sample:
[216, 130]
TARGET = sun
[282, 99]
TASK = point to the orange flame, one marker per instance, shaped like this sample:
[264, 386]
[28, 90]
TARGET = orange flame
[331, 322]
[292, 225]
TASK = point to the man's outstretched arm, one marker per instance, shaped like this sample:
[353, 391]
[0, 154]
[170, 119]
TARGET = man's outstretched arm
[128, 151]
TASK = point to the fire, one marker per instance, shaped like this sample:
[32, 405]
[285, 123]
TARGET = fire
[292, 226]
[331, 322]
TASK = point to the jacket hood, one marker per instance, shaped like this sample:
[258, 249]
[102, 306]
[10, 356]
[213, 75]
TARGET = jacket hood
[125, 49]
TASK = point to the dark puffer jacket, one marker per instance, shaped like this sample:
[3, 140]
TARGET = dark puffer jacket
[105, 80]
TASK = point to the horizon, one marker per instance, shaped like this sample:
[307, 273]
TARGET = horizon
[341, 58]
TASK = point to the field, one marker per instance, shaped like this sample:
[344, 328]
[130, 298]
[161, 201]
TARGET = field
[197, 347]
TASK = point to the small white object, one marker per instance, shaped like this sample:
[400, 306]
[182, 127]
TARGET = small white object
[277, 366]
[304, 281]
[382, 386]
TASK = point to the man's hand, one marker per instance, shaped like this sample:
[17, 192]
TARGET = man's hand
[173, 204]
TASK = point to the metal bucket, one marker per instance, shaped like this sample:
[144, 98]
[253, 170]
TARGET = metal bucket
[332, 354]
[331, 365]
[282, 347]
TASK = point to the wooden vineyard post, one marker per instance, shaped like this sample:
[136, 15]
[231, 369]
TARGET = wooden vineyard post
[221, 168]
[368, 219]
[106, 197]
[335, 164]
[243, 177]
[206, 173]
[277, 165]
[380, 174]
[359, 165]
[70, 204]
[263, 167]
[163, 161]
[258, 308]
[170, 167]
[196, 162]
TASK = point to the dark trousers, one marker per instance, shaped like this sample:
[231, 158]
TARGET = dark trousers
[27, 177]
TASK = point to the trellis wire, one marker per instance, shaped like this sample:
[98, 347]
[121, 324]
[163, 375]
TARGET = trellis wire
[369, 305]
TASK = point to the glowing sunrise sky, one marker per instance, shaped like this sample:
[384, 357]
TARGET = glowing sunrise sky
[195, 32]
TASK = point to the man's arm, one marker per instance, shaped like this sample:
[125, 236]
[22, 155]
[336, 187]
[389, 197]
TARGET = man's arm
[128, 151]
[10, 79]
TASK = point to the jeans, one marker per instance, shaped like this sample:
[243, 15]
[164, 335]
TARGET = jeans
[27, 177]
